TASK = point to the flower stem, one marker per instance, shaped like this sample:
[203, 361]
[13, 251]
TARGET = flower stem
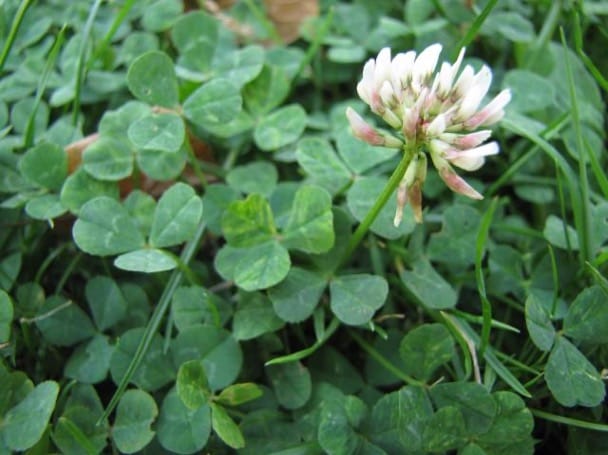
[371, 216]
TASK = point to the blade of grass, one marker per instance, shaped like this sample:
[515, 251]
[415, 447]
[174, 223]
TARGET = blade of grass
[506, 176]
[598, 171]
[479, 320]
[81, 67]
[571, 179]
[118, 20]
[583, 222]
[486, 306]
[490, 357]
[599, 278]
[552, 18]
[12, 34]
[555, 276]
[474, 28]
[461, 338]
[263, 18]
[30, 129]
[578, 47]
[374, 354]
[155, 320]
[315, 45]
[327, 333]
[569, 421]
[80, 438]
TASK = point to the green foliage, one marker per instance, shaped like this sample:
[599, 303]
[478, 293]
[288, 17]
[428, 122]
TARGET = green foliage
[196, 255]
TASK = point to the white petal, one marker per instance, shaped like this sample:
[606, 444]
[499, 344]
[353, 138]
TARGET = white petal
[469, 163]
[387, 94]
[363, 91]
[427, 61]
[491, 148]
[472, 159]
[464, 81]
[447, 74]
[382, 71]
[437, 126]
[401, 69]
[477, 90]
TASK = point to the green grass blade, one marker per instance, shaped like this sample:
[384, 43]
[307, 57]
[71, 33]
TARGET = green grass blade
[331, 328]
[569, 421]
[46, 72]
[479, 320]
[578, 47]
[155, 320]
[107, 39]
[598, 171]
[263, 18]
[474, 28]
[451, 323]
[583, 222]
[384, 362]
[599, 278]
[314, 46]
[490, 357]
[506, 176]
[12, 34]
[82, 440]
[486, 306]
[81, 68]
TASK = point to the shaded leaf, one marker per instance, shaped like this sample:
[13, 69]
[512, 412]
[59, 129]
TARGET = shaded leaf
[571, 378]
[135, 413]
[355, 298]
[425, 348]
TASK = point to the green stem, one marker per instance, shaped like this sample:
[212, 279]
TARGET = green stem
[389, 189]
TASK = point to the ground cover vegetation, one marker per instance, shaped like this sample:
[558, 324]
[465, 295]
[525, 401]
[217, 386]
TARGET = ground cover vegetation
[264, 227]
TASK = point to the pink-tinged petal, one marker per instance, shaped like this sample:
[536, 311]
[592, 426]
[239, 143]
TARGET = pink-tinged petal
[410, 122]
[450, 178]
[363, 130]
[466, 141]
[457, 183]
[367, 133]
[491, 113]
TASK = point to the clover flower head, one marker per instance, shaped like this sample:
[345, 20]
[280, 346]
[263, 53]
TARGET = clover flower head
[437, 110]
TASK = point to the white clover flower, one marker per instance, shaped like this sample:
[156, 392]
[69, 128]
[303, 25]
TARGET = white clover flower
[433, 111]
